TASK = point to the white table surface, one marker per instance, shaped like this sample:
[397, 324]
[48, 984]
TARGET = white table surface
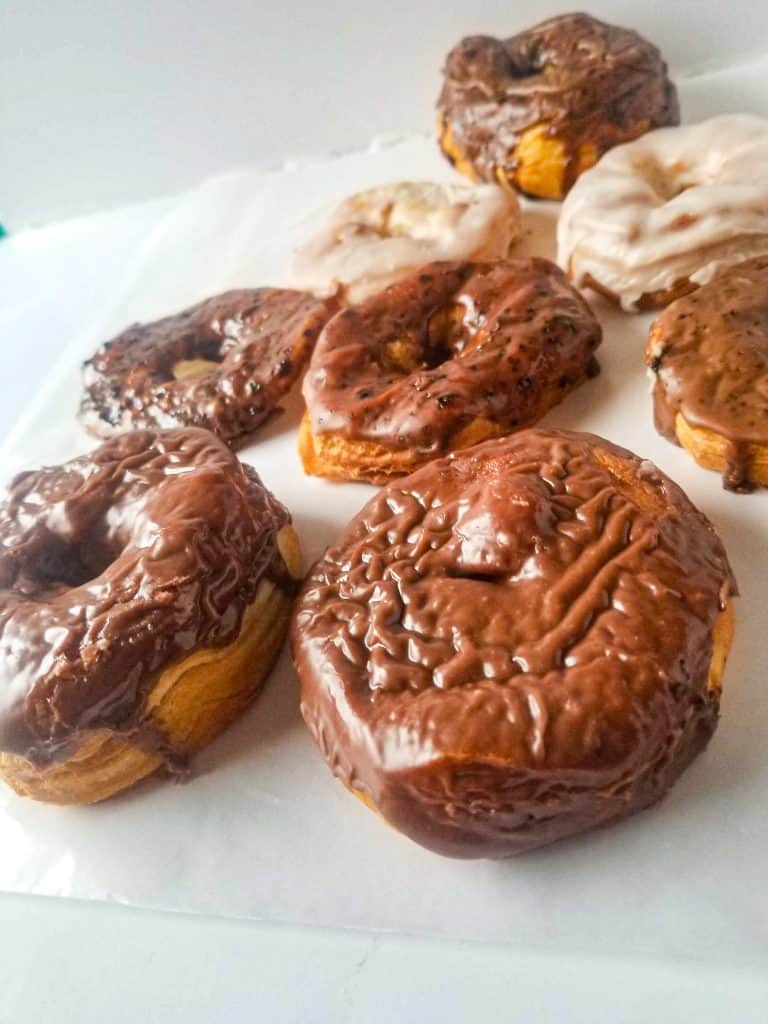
[65, 960]
[62, 959]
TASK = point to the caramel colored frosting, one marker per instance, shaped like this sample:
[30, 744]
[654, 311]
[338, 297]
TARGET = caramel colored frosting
[676, 206]
[224, 364]
[572, 73]
[413, 365]
[709, 354]
[376, 236]
[512, 644]
[116, 565]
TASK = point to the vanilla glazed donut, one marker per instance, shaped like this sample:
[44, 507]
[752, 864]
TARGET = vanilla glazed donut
[224, 365]
[447, 357]
[374, 237]
[144, 595]
[534, 111]
[516, 643]
[658, 217]
[708, 353]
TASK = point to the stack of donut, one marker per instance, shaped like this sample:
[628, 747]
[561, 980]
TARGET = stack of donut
[523, 634]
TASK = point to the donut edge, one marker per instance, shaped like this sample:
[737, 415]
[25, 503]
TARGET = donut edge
[191, 703]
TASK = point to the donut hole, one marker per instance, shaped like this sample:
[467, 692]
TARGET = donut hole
[666, 180]
[443, 337]
[191, 369]
[59, 561]
[73, 544]
[525, 58]
[447, 334]
[199, 358]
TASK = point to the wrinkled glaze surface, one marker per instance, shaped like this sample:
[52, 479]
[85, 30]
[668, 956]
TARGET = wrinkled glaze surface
[512, 644]
[571, 73]
[676, 205]
[114, 566]
[504, 341]
[259, 341]
[710, 358]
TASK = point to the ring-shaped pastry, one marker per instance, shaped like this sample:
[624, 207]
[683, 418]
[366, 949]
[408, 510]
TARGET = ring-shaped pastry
[377, 236]
[224, 364]
[144, 595]
[658, 217]
[535, 111]
[516, 643]
[449, 356]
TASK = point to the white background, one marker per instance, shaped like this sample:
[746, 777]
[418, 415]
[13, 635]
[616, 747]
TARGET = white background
[113, 102]
[108, 101]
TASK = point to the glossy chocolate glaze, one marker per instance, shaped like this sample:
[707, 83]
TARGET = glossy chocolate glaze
[504, 341]
[512, 644]
[709, 354]
[582, 78]
[258, 342]
[113, 567]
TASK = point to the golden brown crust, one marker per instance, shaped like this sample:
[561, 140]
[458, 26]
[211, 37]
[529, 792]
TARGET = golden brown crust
[191, 703]
[724, 628]
[713, 451]
[541, 160]
[339, 458]
[450, 150]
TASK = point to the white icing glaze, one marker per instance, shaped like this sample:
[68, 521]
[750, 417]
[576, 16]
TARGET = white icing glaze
[676, 204]
[374, 237]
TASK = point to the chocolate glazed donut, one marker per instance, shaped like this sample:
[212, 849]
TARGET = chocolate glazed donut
[449, 356]
[534, 111]
[223, 364]
[708, 353]
[144, 594]
[516, 643]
